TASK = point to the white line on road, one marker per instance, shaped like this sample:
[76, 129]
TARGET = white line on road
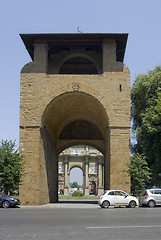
[114, 227]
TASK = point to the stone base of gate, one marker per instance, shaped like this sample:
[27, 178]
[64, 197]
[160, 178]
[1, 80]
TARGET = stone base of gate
[86, 191]
[100, 191]
[66, 191]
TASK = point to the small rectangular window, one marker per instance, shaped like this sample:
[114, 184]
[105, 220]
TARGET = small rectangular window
[157, 192]
[111, 193]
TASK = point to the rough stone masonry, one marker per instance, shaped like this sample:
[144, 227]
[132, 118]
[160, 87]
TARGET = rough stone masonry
[75, 91]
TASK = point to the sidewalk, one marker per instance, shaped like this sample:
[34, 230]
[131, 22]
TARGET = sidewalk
[66, 203]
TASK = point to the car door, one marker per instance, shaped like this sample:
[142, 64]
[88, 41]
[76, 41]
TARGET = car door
[121, 198]
[1, 199]
[110, 196]
[157, 196]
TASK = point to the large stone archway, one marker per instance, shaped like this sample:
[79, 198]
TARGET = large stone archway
[76, 118]
[61, 110]
[70, 119]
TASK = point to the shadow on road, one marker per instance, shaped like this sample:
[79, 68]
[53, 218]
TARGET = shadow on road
[73, 201]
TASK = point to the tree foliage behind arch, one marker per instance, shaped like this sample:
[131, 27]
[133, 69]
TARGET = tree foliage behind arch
[11, 166]
[146, 117]
[139, 172]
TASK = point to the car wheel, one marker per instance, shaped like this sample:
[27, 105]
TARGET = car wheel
[132, 204]
[151, 203]
[105, 204]
[5, 204]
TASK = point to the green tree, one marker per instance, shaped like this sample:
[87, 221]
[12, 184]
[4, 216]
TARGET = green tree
[74, 185]
[11, 166]
[139, 172]
[146, 118]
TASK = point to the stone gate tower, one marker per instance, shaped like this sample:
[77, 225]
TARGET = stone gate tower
[76, 91]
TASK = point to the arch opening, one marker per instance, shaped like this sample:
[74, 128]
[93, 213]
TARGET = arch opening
[78, 65]
[83, 159]
[74, 118]
[76, 180]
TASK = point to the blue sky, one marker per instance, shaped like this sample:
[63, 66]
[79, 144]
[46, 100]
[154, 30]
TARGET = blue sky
[140, 18]
[76, 175]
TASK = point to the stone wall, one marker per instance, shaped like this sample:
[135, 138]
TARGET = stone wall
[49, 102]
[38, 90]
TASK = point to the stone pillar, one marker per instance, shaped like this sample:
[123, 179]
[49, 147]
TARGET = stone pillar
[49, 168]
[119, 157]
[66, 182]
[109, 55]
[40, 57]
[30, 189]
[100, 187]
[86, 189]
[107, 162]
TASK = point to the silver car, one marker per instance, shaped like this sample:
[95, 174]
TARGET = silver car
[151, 197]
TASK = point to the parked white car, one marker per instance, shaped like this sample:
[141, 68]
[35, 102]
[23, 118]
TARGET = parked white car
[117, 198]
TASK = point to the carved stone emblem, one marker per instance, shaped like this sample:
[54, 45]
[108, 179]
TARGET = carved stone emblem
[75, 86]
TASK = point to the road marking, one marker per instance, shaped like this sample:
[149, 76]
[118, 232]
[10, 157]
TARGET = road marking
[114, 227]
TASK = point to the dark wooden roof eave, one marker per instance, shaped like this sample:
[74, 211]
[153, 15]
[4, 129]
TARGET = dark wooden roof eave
[75, 39]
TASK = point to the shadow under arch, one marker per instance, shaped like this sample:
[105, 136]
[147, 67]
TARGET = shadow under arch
[78, 65]
[65, 109]
[88, 60]
[78, 107]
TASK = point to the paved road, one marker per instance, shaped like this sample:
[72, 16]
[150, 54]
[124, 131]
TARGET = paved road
[58, 222]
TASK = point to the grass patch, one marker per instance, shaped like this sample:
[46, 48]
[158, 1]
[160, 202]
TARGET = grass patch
[81, 198]
[14, 196]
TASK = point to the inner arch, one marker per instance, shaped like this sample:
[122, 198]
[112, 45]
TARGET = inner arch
[72, 111]
[80, 130]
[76, 175]
[78, 65]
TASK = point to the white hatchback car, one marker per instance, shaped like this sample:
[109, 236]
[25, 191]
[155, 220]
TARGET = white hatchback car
[117, 198]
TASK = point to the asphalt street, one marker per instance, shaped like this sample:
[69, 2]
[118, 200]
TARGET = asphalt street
[80, 221]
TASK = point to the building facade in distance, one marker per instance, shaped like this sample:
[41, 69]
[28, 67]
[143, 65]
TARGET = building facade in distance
[90, 161]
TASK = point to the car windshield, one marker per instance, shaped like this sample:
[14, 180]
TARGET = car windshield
[104, 193]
